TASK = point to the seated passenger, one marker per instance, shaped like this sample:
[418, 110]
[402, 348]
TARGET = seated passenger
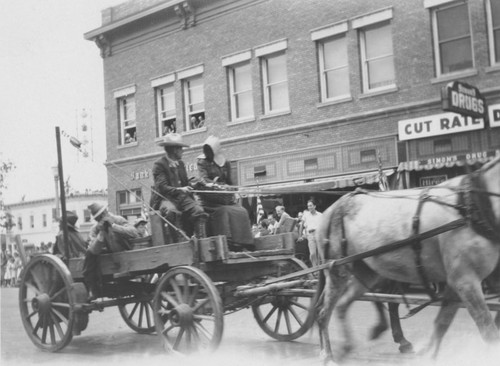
[76, 245]
[141, 227]
[227, 217]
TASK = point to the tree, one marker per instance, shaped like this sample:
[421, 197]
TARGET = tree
[6, 219]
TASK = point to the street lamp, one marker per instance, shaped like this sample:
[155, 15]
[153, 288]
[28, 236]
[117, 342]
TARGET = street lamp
[55, 173]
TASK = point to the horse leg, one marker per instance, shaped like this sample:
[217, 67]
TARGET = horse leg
[471, 294]
[397, 332]
[382, 324]
[335, 284]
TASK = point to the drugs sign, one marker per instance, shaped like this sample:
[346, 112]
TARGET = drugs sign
[464, 99]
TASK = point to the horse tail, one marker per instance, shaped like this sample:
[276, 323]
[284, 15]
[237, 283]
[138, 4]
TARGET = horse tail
[332, 220]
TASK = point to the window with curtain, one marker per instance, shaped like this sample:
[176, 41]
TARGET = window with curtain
[333, 68]
[275, 83]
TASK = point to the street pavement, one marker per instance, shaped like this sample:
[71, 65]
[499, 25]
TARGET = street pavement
[108, 341]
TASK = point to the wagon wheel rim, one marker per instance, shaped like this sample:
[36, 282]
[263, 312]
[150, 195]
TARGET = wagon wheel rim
[139, 316]
[46, 302]
[188, 311]
[287, 316]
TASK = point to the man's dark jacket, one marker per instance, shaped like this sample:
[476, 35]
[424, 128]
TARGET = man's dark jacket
[166, 181]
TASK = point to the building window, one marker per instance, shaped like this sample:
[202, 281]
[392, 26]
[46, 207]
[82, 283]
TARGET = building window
[165, 101]
[259, 171]
[442, 146]
[32, 221]
[20, 223]
[194, 100]
[452, 38]
[333, 68]
[44, 220]
[275, 83]
[240, 90]
[493, 13]
[54, 214]
[310, 164]
[129, 197]
[126, 119]
[87, 217]
[377, 57]
[368, 156]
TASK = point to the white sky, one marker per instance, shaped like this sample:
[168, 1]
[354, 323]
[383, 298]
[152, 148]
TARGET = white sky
[49, 73]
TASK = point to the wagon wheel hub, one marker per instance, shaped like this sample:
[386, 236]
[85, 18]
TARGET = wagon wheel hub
[182, 315]
[41, 303]
[281, 302]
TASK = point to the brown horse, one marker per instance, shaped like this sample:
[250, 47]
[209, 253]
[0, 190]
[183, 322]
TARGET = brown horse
[462, 256]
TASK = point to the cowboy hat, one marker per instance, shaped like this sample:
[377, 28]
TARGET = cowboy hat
[139, 221]
[96, 209]
[172, 139]
[71, 219]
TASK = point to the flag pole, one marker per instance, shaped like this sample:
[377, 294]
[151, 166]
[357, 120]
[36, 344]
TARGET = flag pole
[62, 194]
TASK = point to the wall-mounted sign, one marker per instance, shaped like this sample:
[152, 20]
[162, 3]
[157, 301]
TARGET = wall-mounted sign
[494, 115]
[438, 124]
[432, 180]
[464, 99]
[143, 174]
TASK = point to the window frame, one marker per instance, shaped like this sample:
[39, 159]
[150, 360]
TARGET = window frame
[365, 77]
[266, 85]
[436, 40]
[126, 105]
[233, 94]
[491, 35]
[163, 122]
[199, 113]
[323, 72]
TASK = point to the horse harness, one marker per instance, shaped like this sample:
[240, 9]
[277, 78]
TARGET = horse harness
[472, 204]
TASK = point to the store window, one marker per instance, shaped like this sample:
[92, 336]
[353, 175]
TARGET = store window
[377, 57]
[166, 112]
[452, 38]
[32, 221]
[20, 223]
[87, 217]
[44, 220]
[493, 17]
[240, 91]
[333, 68]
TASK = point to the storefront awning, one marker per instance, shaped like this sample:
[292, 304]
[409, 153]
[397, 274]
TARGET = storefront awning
[448, 161]
[322, 184]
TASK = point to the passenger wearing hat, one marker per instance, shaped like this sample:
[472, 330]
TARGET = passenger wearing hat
[110, 233]
[226, 217]
[171, 185]
[140, 225]
[76, 245]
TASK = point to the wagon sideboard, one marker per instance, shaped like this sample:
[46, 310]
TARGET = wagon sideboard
[192, 252]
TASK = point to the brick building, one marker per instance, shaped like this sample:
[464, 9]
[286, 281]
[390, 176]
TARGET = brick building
[302, 93]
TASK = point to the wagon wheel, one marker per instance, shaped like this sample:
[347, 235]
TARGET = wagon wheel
[286, 316]
[188, 311]
[46, 302]
[139, 315]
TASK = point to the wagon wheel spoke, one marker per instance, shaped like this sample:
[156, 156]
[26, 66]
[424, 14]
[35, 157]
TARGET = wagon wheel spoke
[31, 314]
[200, 304]
[278, 321]
[61, 304]
[37, 326]
[61, 291]
[44, 329]
[194, 294]
[166, 296]
[296, 316]
[149, 322]
[298, 304]
[203, 317]
[167, 328]
[60, 316]
[58, 326]
[177, 290]
[33, 288]
[36, 276]
[271, 312]
[178, 338]
[51, 329]
[204, 331]
[287, 321]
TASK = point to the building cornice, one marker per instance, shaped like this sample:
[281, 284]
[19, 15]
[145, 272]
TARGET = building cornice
[45, 200]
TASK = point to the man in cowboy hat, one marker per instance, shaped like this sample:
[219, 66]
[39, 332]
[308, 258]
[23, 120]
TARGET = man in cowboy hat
[110, 233]
[171, 185]
[140, 225]
[76, 245]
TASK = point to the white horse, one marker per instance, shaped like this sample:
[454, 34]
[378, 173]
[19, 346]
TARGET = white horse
[462, 256]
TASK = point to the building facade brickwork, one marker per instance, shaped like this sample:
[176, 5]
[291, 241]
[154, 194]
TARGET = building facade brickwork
[146, 41]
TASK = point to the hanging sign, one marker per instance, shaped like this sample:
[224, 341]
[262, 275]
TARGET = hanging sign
[464, 99]
[494, 115]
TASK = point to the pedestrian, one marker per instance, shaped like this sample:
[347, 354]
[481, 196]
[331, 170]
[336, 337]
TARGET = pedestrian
[18, 268]
[310, 223]
[141, 226]
[10, 274]
[283, 225]
[110, 233]
[171, 186]
[76, 244]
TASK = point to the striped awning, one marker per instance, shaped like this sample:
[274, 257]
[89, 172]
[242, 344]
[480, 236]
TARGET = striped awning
[322, 184]
[448, 161]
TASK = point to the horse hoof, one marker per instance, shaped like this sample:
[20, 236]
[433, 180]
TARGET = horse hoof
[406, 348]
